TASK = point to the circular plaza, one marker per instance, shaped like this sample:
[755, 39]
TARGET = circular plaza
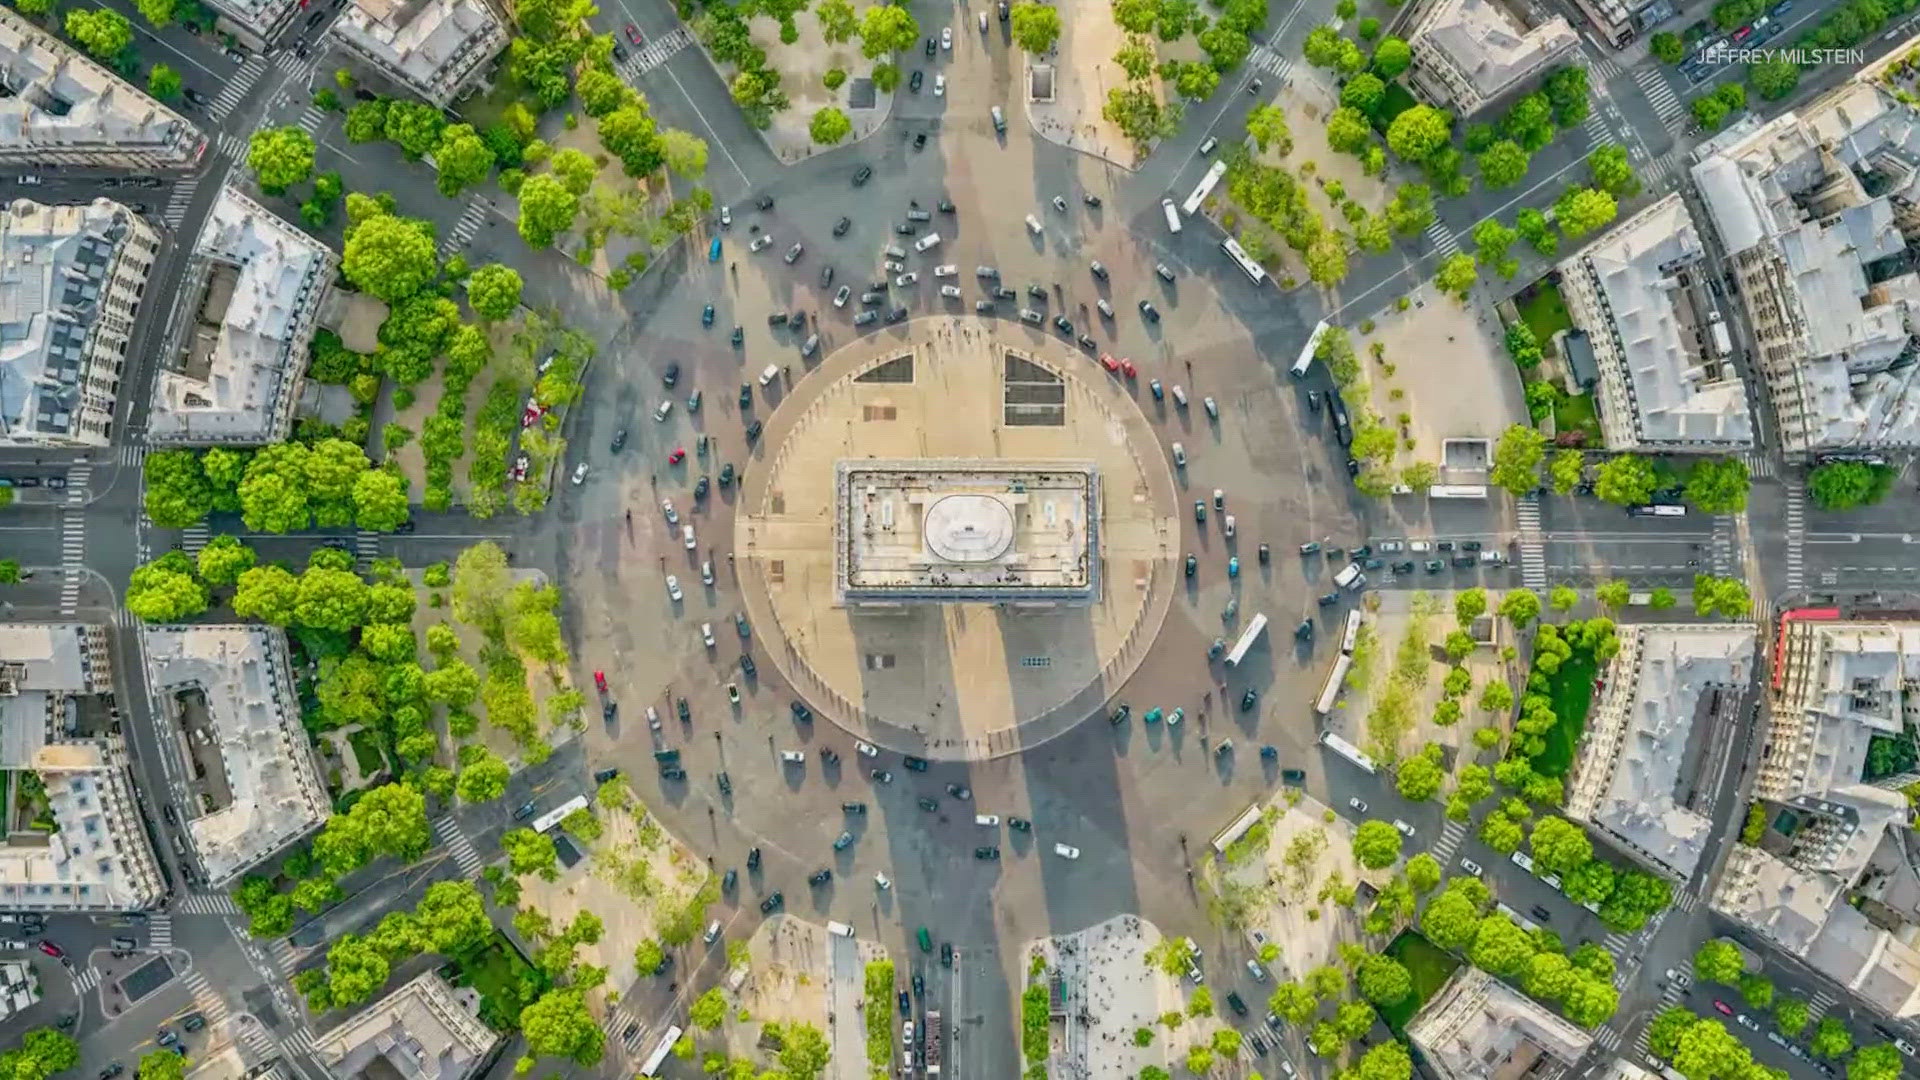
[957, 541]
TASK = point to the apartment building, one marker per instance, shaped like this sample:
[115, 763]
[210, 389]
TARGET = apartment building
[425, 1030]
[255, 23]
[1478, 1028]
[1471, 54]
[434, 49]
[71, 281]
[1639, 296]
[57, 107]
[236, 351]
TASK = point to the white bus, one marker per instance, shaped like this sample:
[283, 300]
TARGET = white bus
[660, 1052]
[1247, 637]
[1254, 271]
[1659, 510]
[1236, 829]
[1173, 215]
[1346, 750]
[1301, 365]
[1457, 491]
[1352, 636]
[554, 816]
[1332, 690]
[1203, 189]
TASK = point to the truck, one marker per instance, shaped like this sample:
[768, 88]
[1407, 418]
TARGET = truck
[933, 1034]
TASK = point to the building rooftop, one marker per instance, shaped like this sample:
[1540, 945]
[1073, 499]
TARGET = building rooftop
[939, 530]
[1638, 771]
[229, 690]
[96, 856]
[425, 1030]
[54, 102]
[1478, 1028]
[1657, 324]
[1489, 48]
[253, 295]
[433, 46]
[55, 266]
[45, 669]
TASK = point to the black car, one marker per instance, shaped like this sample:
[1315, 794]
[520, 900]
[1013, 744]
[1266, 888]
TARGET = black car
[753, 859]
[1238, 1006]
[906, 1004]
[916, 764]
[820, 877]
[802, 713]
[1193, 565]
[525, 812]
[1020, 824]
[725, 782]
[605, 775]
[619, 54]
[1003, 10]
[700, 489]
[1403, 567]
[1304, 631]
[746, 395]
[1038, 292]
[197, 97]
[1329, 599]
[906, 228]
[991, 854]
[1120, 714]
[727, 883]
[919, 985]
[929, 805]
[1542, 913]
[1266, 553]
[1353, 467]
[739, 336]
[671, 375]
[753, 432]
[619, 439]
[1087, 342]
[914, 82]
[1469, 545]
[746, 664]
[896, 314]
[1434, 566]
[1249, 699]
[764, 202]
[959, 791]
[919, 138]
[826, 275]
[726, 475]
[853, 807]
[1147, 309]
[686, 714]
[1463, 561]
[946, 207]
[861, 177]
[931, 47]
[1313, 400]
[673, 774]
[1062, 324]
[772, 902]
[840, 227]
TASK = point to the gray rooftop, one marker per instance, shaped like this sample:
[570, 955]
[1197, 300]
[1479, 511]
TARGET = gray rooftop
[1490, 48]
[1477, 1028]
[433, 46]
[425, 1030]
[54, 102]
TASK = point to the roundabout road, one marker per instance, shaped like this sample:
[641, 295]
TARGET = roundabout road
[1124, 796]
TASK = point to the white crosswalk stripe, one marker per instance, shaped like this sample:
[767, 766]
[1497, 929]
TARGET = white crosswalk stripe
[312, 118]
[193, 538]
[366, 546]
[206, 999]
[131, 455]
[1818, 1005]
[1533, 553]
[1796, 534]
[1606, 1038]
[78, 476]
[233, 146]
[656, 52]
[1603, 68]
[462, 232]
[1686, 901]
[1597, 129]
[178, 200]
[616, 1022]
[284, 954]
[1450, 838]
[1443, 241]
[241, 82]
[73, 559]
[208, 904]
[1758, 464]
[1620, 945]
[1666, 104]
[160, 931]
[298, 68]
[1273, 63]
[1723, 536]
[302, 1041]
[86, 979]
[461, 848]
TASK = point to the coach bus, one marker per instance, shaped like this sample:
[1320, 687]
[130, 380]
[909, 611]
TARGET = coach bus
[1352, 636]
[1254, 271]
[660, 1052]
[559, 813]
[1204, 188]
[1247, 638]
[1331, 692]
[1301, 365]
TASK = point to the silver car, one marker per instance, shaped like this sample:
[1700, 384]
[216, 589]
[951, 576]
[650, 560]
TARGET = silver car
[793, 253]
[840, 298]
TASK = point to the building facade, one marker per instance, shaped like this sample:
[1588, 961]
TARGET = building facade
[434, 49]
[1478, 1028]
[236, 351]
[255, 23]
[1472, 54]
[71, 282]
[61, 108]
[425, 1030]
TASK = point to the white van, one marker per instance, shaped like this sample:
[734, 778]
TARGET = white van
[1033, 225]
[713, 932]
[772, 373]
[1348, 575]
[1173, 215]
[928, 241]
[839, 928]
[1066, 851]
[986, 819]
[999, 118]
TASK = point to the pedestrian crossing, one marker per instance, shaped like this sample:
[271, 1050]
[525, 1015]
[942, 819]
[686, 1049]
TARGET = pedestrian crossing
[207, 904]
[233, 147]
[1686, 901]
[1443, 241]
[1819, 1003]
[160, 931]
[366, 547]
[73, 559]
[616, 1022]
[1450, 838]
[1607, 1038]
[311, 119]
[130, 455]
[178, 200]
[1759, 465]
[1533, 554]
[299, 69]
[237, 87]
[656, 52]
[1603, 68]
[86, 979]
[1796, 535]
[302, 1041]
[206, 1000]
[1597, 130]
[461, 848]
[193, 538]
[1262, 58]
[285, 956]
[78, 477]
[1723, 534]
[1666, 104]
[462, 232]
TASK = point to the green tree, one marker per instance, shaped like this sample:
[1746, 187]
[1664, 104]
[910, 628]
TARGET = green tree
[1376, 844]
[267, 593]
[390, 258]
[1830, 1038]
[1567, 91]
[223, 560]
[1559, 845]
[1035, 26]
[1294, 1002]
[1612, 172]
[1417, 133]
[1383, 980]
[1529, 122]
[1625, 480]
[1500, 946]
[837, 20]
[1757, 991]
[493, 291]
[886, 29]
[1450, 920]
[1516, 459]
[177, 492]
[1456, 275]
[685, 152]
[830, 126]
[280, 157]
[547, 209]
[1880, 1061]
[1566, 468]
[1774, 79]
[1580, 210]
[1392, 57]
[1721, 596]
[1492, 241]
[530, 852]
[103, 32]
[1503, 164]
[463, 159]
[1385, 1061]
[1419, 778]
[1718, 485]
[165, 590]
[1719, 961]
[558, 1024]
[380, 501]
[161, 1064]
[1268, 126]
[1790, 1016]
[709, 1010]
[1562, 598]
[631, 134]
[1548, 976]
[1613, 594]
[1363, 93]
[1348, 130]
[1590, 1002]
[1836, 485]
[1536, 230]
[483, 776]
[414, 126]
[163, 82]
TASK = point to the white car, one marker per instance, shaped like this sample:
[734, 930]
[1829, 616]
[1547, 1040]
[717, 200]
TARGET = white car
[989, 820]
[907, 278]
[665, 408]
[867, 749]
[1470, 867]
[1179, 455]
[1358, 806]
[1405, 829]
[726, 217]
[946, 38]
[793, 757]
[580, 473]
[939, 86]
[761, 242]
[951, 292]
[687, 531]
[946, 270]
[666, 505]
[706, 633]
[706, 572]
[1229, 526]
[653, 718]
[673, 589]
[1066, 851]
[882, 881]
[840, 298]
[894, 266]
[1259, 973]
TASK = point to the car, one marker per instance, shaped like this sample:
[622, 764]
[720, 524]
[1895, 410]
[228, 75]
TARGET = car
[193, 1022]
[599, 683]
[840, 298]
[771, 902]
[959, 791]
[946, 38]
[1099, 270]
[820, 876]
[913, 83]
[1358, 806]
[673, 589]
[197, 97]
[666, 507]
[1329, 599]
[793, 253]
[1541, 913]
[1165, 271]
[793, 757]
[990, 820]
[761, 242]
[1062, 324]
[753, 431]
[907, 278]
[1193, 565]
[1020, 824]
[866, 749]
[989, 853]
[726, 217]
[1405, 829]
[680, 708]
[739, 618]
[1147, 309]
[1679, 978]
[764, 202]
[914, 764]
[939, 86]
[861, 176]
[670, 375]
[946, 270]
[1434, 566]
[841, 843]
[840, 227]
[633, 35]
[580, 473]
[826, 276]
[880, 776]
[929, 805]
[1723, 1007]
[1247, 701]
[853, 807]
[1747, 1022]
[946, 206]
[746, 664]
[706, 571]
[51, 949]
[700, 489]
[675, 456]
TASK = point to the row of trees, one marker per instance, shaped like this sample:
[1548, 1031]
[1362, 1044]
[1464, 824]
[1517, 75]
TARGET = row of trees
[1581, 983]
[1712, 485]
[285, 487]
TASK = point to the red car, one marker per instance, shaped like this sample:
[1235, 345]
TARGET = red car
[1722, 1006]
[600, 681]
[679, 455]
[1107, 361]
[633, 35]
[1127, 369]
[51, 949]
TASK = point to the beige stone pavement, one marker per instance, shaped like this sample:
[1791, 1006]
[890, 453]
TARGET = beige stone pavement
[957, 676]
